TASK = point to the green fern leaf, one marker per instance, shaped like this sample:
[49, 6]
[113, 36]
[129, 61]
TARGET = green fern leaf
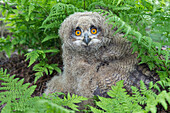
[128, 29]
[157, 87]
[167, 57]
[95, 110]
[23, 1]
[7, 108]
[55, 67]
[45, 106]
[38, 75]
[149, 40]
[116, 90]
[118, 2]
[162, 98]
[51, 51]
[120, 101]
[33, 56]
[49, 37]
[159, 47]
[16, 94]
[106, 104]
[69, 101]
[31, 8]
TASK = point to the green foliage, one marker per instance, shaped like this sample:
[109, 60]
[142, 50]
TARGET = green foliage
[5, 44]
[68, 100]
[41, 67]
[57, 15]
[34, 25]
[150, 18]
[121, 102]
[17, 97]
[44, 67]
[25, 21]
[45, 106]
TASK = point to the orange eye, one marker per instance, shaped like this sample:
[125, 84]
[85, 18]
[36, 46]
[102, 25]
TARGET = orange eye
[94, 31]
[78, 32]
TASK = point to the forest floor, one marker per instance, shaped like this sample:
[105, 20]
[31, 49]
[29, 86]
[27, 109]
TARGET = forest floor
[17, 65]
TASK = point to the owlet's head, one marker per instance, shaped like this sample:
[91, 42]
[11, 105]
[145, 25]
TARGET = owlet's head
[83, 31]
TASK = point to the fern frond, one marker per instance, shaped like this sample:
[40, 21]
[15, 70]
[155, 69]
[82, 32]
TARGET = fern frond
[57, 14]
[121, 102]
[17, 97]
[43, 67]
[162, 98]
[71, 100]
[68, 100]
[14, 93]
[94, 5]
[34, 55]
[46, 106]
[49, 37]
[95, 110]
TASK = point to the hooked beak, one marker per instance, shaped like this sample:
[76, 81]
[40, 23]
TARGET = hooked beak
[86, 39]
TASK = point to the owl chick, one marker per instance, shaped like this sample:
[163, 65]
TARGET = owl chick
[93, 58]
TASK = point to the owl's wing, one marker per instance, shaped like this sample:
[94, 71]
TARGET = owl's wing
[141, 72]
